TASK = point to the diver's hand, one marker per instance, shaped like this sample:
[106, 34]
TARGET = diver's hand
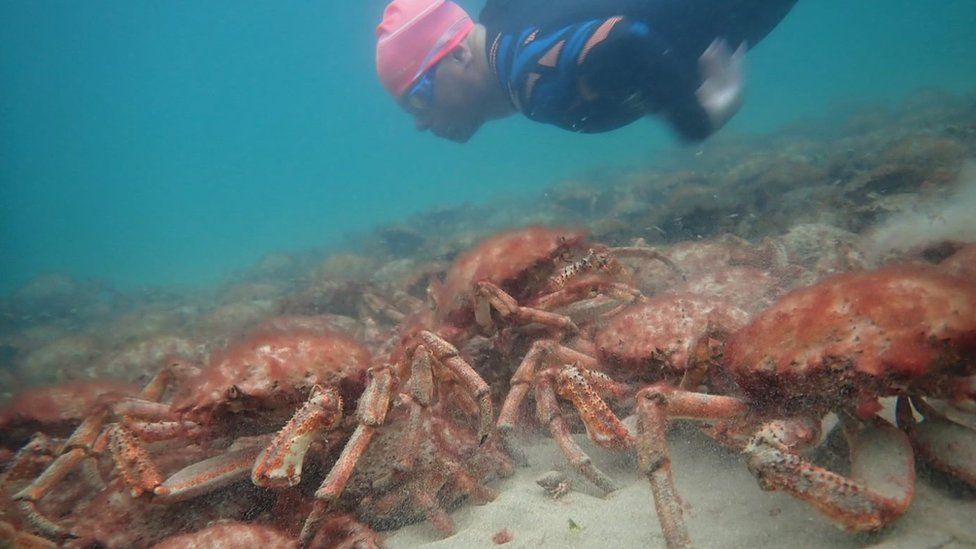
[720, 93]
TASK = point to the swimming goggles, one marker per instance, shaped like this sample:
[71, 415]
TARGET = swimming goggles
[420, 97]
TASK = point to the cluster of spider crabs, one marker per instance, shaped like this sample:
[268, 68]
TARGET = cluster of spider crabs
[725, 345]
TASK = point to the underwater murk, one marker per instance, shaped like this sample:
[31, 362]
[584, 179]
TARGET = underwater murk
[772, 344]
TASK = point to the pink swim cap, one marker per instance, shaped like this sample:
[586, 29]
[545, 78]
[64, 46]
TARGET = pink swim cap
[413, 36]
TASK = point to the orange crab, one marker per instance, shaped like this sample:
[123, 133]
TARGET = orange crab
[513, 278]
[249, 388]
[549, 277]
[32, 421]
[520, 274]
[837, 346]
[675, 336]
[497, 282]
[341, 530]
[37, 421]
[510, 279]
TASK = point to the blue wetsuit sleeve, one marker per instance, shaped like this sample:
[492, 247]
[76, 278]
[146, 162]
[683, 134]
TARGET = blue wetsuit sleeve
[598, 75]
[634, 57]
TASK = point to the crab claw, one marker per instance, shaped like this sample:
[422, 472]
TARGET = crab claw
[280, 465]
[207, 476]
[879, 490]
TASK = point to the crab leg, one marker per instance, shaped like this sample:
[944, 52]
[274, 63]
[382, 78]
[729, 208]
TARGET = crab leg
[131, 458]
[86, 441]
[547, 410]
[584, 289]
[142, 408]
[654, 461]
[519, 387]
[452, 394]
[421, 386]
[655, 404]
[208, 475]
[36, 455]
[11, 537]
[544, 352]
[507, 306]
[883, 472]
[602, 425]
[541, 353]
[447, 354]
[152, 421]
[468, 484]
[422, 491]
[382, 307]
[371, 413]
[79, 446]
[943, 443]
[425, 489]
[28, 497]
[133, 461]
[155, 431]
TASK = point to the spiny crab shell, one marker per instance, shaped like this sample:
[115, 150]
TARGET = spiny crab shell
[857, 336]
[662, 332]
[517, 261]
[701, 258]
[230, 534]
[273, 369]
[54, 409]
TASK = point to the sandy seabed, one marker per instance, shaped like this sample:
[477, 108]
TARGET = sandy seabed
[724, 507]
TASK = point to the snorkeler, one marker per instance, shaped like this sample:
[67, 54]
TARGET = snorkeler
[583, 65]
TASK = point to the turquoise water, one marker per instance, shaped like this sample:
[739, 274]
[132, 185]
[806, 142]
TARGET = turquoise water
[160, 143]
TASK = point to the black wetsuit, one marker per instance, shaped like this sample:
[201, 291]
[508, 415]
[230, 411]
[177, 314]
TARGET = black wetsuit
[596, 65]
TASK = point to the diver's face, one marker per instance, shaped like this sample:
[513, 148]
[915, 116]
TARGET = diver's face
[443, 102]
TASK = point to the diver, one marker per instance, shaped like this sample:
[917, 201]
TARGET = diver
[583, 65]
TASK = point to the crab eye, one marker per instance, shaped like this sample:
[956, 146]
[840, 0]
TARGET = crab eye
[233, 393]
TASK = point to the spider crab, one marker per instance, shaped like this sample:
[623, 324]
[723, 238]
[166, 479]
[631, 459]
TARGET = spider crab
[676, 336]
[533, 277]
[32, 421]
[249, 388]
[510, 279]
[522, 274]
[513, 278]
[340, 531]
[837, 346]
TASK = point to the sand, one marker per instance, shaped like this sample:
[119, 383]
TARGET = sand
[724, 508]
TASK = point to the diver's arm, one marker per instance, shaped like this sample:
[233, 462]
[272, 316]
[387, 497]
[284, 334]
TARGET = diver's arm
[715, 101]
[689, 119]
[720, 93]
[634, 57]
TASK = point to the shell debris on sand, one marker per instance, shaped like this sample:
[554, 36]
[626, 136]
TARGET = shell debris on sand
[555, 483]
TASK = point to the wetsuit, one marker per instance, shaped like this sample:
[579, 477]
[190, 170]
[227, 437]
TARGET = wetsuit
[596, 65]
